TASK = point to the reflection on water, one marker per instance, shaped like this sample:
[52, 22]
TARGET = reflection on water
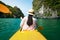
[9, 26]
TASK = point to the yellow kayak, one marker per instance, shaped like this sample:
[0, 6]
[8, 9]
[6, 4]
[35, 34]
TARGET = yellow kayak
[28, 35]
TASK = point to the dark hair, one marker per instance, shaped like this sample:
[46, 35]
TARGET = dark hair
[30, 20]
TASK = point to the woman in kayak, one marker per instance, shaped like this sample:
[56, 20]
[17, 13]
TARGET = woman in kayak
[28, 23]
[27, 31]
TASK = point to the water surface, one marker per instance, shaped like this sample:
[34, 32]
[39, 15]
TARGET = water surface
[8, 26]
[51, 28]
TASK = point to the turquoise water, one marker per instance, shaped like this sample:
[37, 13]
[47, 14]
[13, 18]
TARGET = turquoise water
[51, 28]
[9, 26]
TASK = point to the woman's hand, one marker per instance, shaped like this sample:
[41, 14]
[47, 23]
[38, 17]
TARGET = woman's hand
[20, 29]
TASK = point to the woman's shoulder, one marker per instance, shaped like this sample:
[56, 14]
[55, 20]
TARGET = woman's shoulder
[34, 19]
[25, 17]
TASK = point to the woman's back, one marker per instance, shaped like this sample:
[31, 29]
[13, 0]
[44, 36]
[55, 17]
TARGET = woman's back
[26, 26]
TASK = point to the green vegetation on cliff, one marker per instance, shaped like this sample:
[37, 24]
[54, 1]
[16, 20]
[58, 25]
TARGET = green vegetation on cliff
[52, 4]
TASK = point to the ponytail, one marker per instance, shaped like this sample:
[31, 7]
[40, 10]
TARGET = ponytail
[30, 20]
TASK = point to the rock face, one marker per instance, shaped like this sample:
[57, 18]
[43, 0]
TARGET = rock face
[7, 11]
[47, 12]
[46, 9]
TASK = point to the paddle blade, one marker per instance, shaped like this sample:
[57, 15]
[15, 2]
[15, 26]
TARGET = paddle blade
[40, 28]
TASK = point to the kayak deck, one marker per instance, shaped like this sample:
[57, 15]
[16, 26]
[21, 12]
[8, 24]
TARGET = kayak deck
[28, 35]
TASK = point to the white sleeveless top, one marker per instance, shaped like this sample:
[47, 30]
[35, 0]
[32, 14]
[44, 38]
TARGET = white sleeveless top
[24, 25]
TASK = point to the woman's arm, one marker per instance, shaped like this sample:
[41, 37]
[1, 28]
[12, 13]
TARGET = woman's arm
[21, 24]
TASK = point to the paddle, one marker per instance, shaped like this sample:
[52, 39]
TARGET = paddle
[40, 28]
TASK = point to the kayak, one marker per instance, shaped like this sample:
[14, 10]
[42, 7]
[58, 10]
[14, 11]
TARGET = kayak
[28, 35]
